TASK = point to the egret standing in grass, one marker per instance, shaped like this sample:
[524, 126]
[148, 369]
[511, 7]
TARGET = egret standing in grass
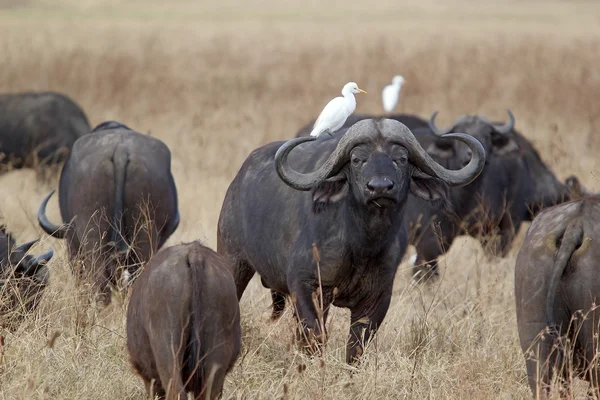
[337, 111]
[390, 93]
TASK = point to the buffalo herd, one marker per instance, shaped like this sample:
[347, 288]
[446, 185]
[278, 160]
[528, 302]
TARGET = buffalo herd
[323, 221]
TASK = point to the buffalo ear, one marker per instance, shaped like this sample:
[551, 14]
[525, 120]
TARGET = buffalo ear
[429, 188]
[328, 192]
[503, 144]
[574, 186]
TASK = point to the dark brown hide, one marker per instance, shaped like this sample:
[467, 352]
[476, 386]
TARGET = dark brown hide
[556, 278]
[183, 322]
[39, 126]
[118, 200]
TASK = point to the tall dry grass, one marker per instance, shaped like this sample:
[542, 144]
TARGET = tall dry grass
[214, 91]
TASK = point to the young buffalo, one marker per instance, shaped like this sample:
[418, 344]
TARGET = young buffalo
[183, 322]
[556, 280]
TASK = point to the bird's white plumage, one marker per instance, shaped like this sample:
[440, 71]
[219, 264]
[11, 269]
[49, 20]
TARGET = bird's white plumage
[413, 259]
[391, 93]
[337, 111]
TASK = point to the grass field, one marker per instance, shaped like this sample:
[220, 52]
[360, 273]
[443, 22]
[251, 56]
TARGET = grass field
[216, 79]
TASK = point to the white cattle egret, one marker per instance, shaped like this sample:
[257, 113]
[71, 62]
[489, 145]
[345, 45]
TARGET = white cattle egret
[390, 93]
[337, 111]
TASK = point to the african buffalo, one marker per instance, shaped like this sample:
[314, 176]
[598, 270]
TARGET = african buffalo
[39, 126]
[411, 122]
[514, 185]
[344, 193]
[183, 322]
[118, 201]
[493, 203]
[556, 279]
[23, 279]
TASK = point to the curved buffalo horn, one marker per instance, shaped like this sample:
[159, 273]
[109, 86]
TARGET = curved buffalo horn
[467, 174]
[38, 262]
[506, 128]
[51, 229]
[23, 248]
[435, 129]
[46, 257]
[420, 158]
[394, 130]
[332, 166]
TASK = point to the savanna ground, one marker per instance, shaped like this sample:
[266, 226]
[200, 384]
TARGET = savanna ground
[216, 79]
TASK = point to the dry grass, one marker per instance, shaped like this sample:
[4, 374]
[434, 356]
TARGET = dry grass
[220, 80]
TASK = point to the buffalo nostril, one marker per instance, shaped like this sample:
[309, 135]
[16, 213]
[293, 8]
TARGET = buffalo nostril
[380, 185]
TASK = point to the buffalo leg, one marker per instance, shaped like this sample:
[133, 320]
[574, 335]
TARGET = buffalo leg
[310, 328]
[588, 336]
[435, 242]
[154, 388]
[508, 230]
[168, 349]
[278, 305]
[539, 358]
[364, 322]
[242, 274]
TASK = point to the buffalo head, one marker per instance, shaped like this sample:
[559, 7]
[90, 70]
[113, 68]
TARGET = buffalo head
[23, 278]
[378, 162]
[495, 138]
[17, 263]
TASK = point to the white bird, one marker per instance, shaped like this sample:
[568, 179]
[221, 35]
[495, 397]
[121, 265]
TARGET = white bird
[390, 93]
[337, 111]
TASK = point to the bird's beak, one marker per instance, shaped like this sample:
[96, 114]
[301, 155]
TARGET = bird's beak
[362, 91]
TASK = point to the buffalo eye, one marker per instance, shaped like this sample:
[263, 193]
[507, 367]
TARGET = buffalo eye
[401, 161]
[356, 161]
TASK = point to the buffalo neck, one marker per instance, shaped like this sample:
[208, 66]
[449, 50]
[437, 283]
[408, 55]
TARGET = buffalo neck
[371, 228]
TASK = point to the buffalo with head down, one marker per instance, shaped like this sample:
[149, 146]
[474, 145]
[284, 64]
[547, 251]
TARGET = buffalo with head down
[411, 122]
[39, 126]
[513, 186]
[346, 194]
[23, 279]
[118, 201]
[557, 293]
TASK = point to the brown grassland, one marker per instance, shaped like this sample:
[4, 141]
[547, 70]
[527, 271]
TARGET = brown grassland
[216, 79]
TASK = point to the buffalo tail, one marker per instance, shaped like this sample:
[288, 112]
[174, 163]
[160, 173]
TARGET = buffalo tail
[193, 371]
[572, 238]
[120, 161]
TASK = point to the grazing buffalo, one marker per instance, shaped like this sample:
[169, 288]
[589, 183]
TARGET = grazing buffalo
[23, 279]
[39, 126]
[556, 279]
[345, 194]
[411, 122]
[514, 185]
[183, 322]
[118, 201]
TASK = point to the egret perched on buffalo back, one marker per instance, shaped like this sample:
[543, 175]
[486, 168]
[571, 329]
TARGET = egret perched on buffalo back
[337, 111]
[390, 93]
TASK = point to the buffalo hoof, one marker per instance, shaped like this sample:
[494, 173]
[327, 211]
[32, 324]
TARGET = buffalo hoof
[310, 343]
